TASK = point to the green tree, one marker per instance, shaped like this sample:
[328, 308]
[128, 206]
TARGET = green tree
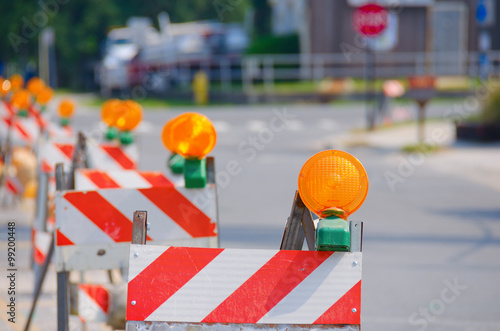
[81, 27]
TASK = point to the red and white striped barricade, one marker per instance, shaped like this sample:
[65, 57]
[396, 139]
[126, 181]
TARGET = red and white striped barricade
[93, 303]
[23, 131]
[92, 179]
[103, 155]
[172, 287]
[55, 151]
[112, 155]
[94, 228]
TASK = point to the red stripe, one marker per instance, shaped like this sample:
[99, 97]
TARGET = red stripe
[160, 280]
[101, 179]
[98, 294]
[40, 121]
[23, 132]
[103, 214]
[156, 179]
[119, 156]
[38, 256]
[67, 149]
[46, 167]
[341, 311]
[9, 108]
[13, 186]
[181, 211]
[268, 286]
[62, 240]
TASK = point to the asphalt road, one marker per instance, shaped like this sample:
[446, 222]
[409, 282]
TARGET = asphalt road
[431, 246]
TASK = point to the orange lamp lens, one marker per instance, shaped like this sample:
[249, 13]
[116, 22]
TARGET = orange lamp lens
[111, 110]
[333, 180]
[165, 136]
[131, 117]
[191, 135]
[66, 108]
[17, 81]
[44, 95]
[21, 99]
[35, 85]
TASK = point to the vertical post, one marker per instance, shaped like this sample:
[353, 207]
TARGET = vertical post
[298, 226]
[139, 227]
[62, 276]
[421, 120]
[370, 73]
[41, 210]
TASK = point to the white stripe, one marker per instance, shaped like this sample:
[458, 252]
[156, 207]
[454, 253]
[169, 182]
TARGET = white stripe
[212, 285]
[83, 183]
[89, 310]
[204, 199]
[127, 201]
[129, 179]
[318, 292]
[42, 241]
[141, 256]
[76, 226]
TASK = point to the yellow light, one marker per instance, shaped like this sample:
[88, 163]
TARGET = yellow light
[333, 182]
[111, 110]
[191, 135]
[44, 95]
[17, 81]
[21, 99]
[5, 87]
[35, 85]
[131, 117]
[165, 136]
[66, 108]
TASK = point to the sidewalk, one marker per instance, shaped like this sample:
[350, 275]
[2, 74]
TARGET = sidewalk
[477, 162]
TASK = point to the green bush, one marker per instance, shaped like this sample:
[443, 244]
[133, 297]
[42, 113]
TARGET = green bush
[491, 108]
[288, 44]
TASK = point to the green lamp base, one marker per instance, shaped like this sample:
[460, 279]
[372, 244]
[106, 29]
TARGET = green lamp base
[22, 113]
[112, 133]
[126, 138]
[176, 163]
[333, 234]
[195, 173]
[64, 121]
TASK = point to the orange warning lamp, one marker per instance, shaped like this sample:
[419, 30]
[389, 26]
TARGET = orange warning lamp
[65, 111]
[333, 184]
[44, 95]
[165, 136]
[17, 82]
[35, 85]
[175, 161]
[21, 99]
[192, 136]
[129, 118]
[110, 112]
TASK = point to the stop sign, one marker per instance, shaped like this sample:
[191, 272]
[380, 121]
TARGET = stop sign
[370, 20]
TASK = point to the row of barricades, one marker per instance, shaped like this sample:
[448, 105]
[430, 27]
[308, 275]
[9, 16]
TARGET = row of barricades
[184, 280]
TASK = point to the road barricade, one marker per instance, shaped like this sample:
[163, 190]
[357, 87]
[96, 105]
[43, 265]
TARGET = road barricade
[93, 230]
[301, 289]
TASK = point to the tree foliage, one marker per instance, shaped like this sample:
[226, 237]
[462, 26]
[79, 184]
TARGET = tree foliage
[81, 27]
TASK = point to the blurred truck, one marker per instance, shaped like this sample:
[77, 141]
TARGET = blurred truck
[141, 55]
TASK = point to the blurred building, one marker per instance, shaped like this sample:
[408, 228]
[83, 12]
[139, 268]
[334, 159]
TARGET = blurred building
[418, 25]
